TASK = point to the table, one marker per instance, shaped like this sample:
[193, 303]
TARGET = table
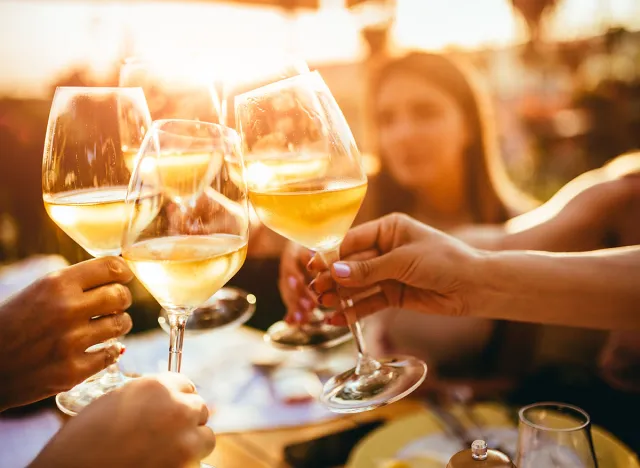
[260, 449]
[264, 449]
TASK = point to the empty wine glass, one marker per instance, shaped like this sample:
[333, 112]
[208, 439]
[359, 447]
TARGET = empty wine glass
[84, 183]
[554, 435]
[306, 181]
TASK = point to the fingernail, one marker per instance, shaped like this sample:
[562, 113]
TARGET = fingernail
[306, 303]
[342, 270]
[309, 266]
[123, 348]
[298, 316]
[293, 283]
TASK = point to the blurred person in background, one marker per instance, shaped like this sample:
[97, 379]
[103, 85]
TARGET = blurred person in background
[440, 163]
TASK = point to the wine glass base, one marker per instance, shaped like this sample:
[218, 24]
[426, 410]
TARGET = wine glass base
[229, 307]
[396, 378]
[300, 337]
[85, 393]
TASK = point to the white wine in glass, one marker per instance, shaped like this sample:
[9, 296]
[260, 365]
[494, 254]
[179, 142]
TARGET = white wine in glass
[198, 239]
[282, 125]
[84, 185]
[188, 92]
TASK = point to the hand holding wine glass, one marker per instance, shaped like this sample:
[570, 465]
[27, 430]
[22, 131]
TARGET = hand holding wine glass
[161, 422]
[306, 182]
[84, 183]
[47, 327]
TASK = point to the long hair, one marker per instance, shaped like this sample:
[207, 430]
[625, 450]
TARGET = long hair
[491, 196]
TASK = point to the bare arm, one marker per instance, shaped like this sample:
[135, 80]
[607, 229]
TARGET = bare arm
[596, 210]
[594, 289]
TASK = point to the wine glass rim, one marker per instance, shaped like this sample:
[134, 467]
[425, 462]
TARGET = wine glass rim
[552, 405]
[98, 88]
[315, 74]
[157, 125]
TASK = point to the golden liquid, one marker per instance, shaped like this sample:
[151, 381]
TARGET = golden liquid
[316, 214]
[96, 218]
[181, 175]
[185, 271]
[264, 171]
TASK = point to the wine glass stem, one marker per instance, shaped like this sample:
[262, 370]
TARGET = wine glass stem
[365, 364]
[177, 323]
[112, 375]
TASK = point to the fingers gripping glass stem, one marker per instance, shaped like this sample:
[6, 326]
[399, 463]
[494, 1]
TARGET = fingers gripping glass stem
[365, 364]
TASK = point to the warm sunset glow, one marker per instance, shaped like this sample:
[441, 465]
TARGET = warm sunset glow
[43, 39]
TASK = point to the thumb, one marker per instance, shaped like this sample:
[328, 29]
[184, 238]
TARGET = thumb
[363, 273]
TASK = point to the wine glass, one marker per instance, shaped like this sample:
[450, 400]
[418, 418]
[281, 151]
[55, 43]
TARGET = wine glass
[190, 93]
[197, 239]
[84, 183]
[555, 434]
[306, 180]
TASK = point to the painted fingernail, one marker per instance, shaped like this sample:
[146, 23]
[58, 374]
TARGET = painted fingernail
[298, 316]
[293, 283]
[306, 303]
[342, 270]
[123, 348]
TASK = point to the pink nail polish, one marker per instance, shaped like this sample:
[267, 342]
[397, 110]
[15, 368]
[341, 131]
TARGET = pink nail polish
[293, 283]
[342, 270]
[306, 303]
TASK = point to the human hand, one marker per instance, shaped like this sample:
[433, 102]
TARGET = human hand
[154, 421]
[416, 267]
[293, 281]
[47, 327]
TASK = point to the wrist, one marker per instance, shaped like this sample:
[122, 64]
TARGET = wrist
[484, 287]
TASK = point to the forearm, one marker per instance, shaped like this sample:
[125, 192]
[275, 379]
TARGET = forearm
[599, 289]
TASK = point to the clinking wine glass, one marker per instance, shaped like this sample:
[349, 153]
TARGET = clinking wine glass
[196, 240]
[306, 181]
[189, 92]
[84, 184]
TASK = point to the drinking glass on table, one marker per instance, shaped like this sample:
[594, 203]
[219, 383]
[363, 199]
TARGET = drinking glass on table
[555, 434]
[84, 184]
[189, 92]
[197, 239]
[306, 182]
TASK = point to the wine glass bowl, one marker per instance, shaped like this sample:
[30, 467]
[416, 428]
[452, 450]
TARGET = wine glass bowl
[84, 185]
[306, 181]
[555, 434]
[197, 239]
[190, 92]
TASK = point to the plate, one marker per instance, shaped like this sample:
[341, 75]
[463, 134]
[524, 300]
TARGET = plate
[421, 443]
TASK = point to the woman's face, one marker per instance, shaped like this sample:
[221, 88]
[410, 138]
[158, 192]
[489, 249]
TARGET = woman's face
[422, 130]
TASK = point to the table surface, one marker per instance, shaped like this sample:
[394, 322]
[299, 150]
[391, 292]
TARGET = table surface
[22, 438]
[264, 449]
